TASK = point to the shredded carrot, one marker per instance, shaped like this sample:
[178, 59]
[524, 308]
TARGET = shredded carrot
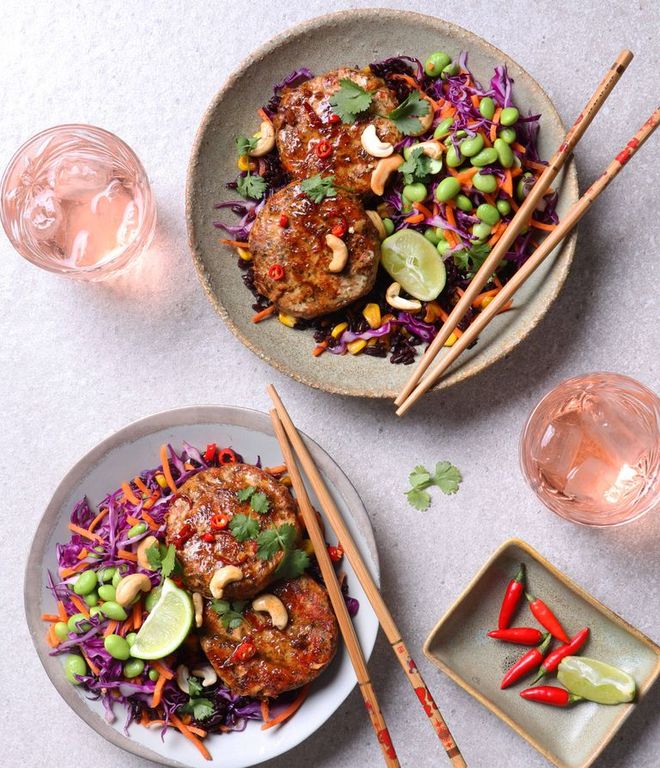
[444, 317]
[289, 711]
[447, 110]
[126, 626]
[126, 555]
[166, 467]
[66, 572]
[98, 519]
[263, 314]
[497, 280]
[61, 610]
[148, 504]
[148, 519]
[449, 214]
[514, 204]
[235, 243]
[158, 691]
[506, 307]
[521, 149]
[542, 225]
[486, 294]
[507, 184]
[535, 166]
[79, 605]
[51, 638]
[83, 553]
[416, 218]
[162, 670]
[90, 663]
[110, 629]
[475, 100]
[185, 730]
[137, 615]
[128, 493]
[490, 199]
[493, 127]
[465, 176]
[265, 710]
[497, 233]
[423, 209]
[132, 520]
[141, 485]
[319, 349]
[278, 470]
[50, 617]
[85, 533]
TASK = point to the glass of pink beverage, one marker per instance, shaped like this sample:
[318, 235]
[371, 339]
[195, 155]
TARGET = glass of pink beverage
[591, 449]
[76, 200]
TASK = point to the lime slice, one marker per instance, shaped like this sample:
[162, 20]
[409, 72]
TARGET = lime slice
[167, 625]
[596, 681]
[414, 263]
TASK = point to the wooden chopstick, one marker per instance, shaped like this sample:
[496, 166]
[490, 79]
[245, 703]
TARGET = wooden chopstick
[365, 578]
[575, 213]
[520, 220]
[336, 597]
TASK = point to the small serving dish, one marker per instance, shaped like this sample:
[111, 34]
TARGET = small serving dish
[568, 738]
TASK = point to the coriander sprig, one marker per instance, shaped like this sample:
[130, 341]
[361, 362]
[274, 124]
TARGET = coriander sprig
[350, 100]
[406, 115]
[446, 477]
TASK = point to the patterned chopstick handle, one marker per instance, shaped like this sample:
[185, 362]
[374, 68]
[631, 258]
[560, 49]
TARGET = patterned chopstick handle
[379, 726]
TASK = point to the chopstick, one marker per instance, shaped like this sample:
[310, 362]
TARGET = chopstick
[336, 597]
[575, 213]
[520, 220]
[365, 578]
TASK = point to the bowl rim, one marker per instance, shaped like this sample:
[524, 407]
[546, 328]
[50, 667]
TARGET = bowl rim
[561, 263]
[626, 710]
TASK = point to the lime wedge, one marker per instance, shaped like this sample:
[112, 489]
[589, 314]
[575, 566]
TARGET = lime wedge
[167, 625]
[413, 261]
[596, 681]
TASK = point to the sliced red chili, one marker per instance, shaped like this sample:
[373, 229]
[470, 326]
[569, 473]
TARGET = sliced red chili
[339, 230]
[219, 522]
[227, 456]
[244, 651]
[284, 220]
[324, 149]
[276, 272]
[336, 553]
[209, 453]
[334, 118]
[183, 535]
[208, 537]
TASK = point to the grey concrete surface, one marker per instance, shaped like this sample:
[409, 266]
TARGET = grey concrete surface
[79, 361]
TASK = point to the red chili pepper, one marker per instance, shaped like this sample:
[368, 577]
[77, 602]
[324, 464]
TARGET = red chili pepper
[336, 553]
[284, 220]
[511, 598]
[227, 456]
[552, 660]
[528, 662]
[324, 149]
[334, 118]
[339, 230]
[219, 522]
[546, 618]
[550, 694]
[244, 651]
[184, 534]
[208, 537]
[276, 272]
[518, 635]
[210, 452]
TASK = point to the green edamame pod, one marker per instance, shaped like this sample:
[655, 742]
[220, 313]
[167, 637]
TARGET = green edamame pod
[504, 207]
[484, 182]
[389, 226]
[61, 630]
[133, 668]
[91, 599]
[463, 203]
[453, 158]
[508, 135]
[487, 156]
[509, 116]
[442, 247]
[114, 611]
[472, 147]
[487, 107]
[415, 192]
[117, 647]
[78, 623]
[436, 62]
[481, 231]
[443, 128]
[107, 592]
[85, 583]
[106, 574]
[488, 214]
[74, 665]
[447, 189]
[431, 235]
[504, 153]
[137, 530]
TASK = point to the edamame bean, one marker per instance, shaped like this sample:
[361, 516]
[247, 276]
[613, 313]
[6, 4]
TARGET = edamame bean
[431, 235]
[152, 598]
[450, 70]
[137, 530]
[95, 611]
[117, 647]
[107, 592]
[153, 675]
[415, 192]
[443, 128]
[447, 189]
[504, 207]
[484, 182]
[487, 156]
[130, 637]
[442, 247]
[508, 135]
[85, 583]
[488, 214]
[97, 553]
[487, 107]
[114, 611]
[481, 231]
[436, 62]
[74, 665]
[91, 599]
[133, 668]
[463, 203]
[453, 158]
[522, 188]
[504, 153]
[106, 574]
[118, 575]
[389, 226]
[61, 630]
[509, 116]
[472, 147]
[78, 623]
[407, 151]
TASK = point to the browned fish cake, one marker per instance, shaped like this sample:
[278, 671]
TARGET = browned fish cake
[306, 288]
[213, 492]
[304, 118]
[279, 659]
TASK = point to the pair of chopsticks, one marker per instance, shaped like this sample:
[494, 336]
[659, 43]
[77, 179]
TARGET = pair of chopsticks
[418, 383]
[293, 447]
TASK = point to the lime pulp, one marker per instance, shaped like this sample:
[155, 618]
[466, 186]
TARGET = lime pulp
[167, 626]
[413, 261]
[596, 681]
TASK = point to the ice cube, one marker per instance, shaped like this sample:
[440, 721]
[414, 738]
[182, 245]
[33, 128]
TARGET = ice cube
[609, 428]
[590, 480]
[73, 178]
[128, 227]
[43, 215]
[558, 449]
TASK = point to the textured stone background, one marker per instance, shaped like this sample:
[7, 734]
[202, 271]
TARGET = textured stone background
[79, 361]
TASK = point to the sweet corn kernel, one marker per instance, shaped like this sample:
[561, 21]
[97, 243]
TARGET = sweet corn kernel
[355, 347]
[451, 340]
[486, 301]
[244, 254]
[286, 319]
[371, 314]
[160, 479]
[307, 546]
[338, 330]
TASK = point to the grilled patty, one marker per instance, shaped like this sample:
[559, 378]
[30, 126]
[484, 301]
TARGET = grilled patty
[304, 118]
[307, 288]
[282, 659]
[213, 492]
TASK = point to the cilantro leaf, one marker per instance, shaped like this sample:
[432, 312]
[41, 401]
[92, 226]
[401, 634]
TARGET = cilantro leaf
[253, 186]
[163, 558]
[420, 477]
[220, 606]
[200, 708]
[470, 259]
[245, 493]
[294, 563]
[406, 115]
[169, 562]
[259, 503]
[447, 477]
[272, 540]
[417, 167]
[232, 619]
[154, 557]
[318, 187]
[244, 527]
[194, 686]
[419, 499]
[231, 614]
[245, 144]
[350, 100]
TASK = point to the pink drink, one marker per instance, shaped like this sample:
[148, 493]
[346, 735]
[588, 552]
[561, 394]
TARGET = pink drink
[591, 449]
[76, 200]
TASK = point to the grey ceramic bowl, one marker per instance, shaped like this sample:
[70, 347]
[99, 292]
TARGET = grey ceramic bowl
[355, 37]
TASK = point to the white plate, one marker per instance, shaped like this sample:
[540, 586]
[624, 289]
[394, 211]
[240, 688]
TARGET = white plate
[121, 456]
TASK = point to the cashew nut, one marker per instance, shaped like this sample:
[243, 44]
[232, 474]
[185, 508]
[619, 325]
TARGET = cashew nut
[378, 223]
[143, 546]
[274, 606]
[381, 173]
[130, 587]
[425, 121]
[266, 140]
[198, 605]
[339, 253]
[373, 145]
[222, 577]
[182, 675]
[431, 149]
[394, 300]
[207, 674]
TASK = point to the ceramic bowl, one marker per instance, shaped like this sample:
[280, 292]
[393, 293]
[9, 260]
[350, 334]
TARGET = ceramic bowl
[103, 469]
[355, 37]
[568, 738]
